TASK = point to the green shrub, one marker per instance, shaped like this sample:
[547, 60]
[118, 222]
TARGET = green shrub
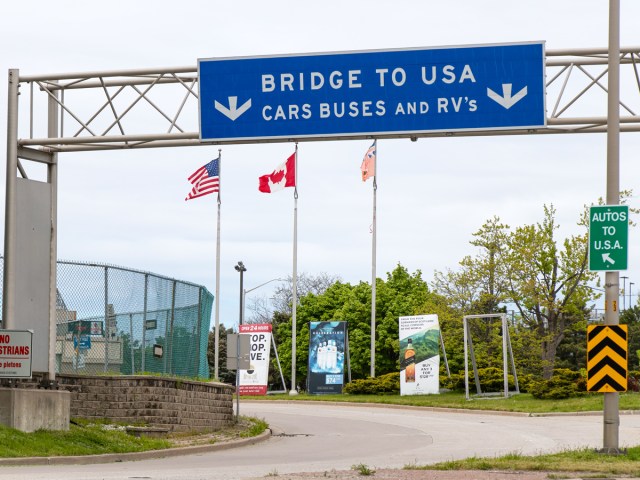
[633, 381]
[389, 383]
[565, 383]
[491, 380]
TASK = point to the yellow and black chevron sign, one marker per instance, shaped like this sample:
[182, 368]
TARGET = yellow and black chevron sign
[607, 348]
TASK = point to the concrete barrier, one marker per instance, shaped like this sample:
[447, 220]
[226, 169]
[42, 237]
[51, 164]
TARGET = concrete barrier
[29, 409]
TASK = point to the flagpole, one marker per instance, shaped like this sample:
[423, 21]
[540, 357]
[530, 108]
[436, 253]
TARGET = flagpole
[373, 269]
[294, 303]
[217, 316]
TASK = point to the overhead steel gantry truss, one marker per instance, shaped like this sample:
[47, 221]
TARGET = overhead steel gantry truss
[152, 108]
[158, 107]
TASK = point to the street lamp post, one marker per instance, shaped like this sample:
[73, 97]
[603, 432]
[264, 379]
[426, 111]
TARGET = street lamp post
[241, 268]
[630, 283]
[244, 294]
[624, 289]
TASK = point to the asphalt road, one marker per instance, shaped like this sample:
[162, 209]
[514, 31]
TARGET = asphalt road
[316, 437]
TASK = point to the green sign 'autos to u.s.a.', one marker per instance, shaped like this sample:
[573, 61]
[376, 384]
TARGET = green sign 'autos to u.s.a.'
[608, 237]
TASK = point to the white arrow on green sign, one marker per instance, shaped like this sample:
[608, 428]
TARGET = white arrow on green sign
[608, 237]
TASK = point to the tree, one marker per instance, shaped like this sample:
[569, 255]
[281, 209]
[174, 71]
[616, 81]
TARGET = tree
[631, 317]
[262, 309]
[224, 375]
[479, 286]
[401, 294]
[547, 283]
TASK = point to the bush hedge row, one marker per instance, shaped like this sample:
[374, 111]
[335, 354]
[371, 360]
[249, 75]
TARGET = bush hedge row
[564, 383]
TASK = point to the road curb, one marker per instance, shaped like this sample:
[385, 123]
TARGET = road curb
[126, 457]
[445, 409]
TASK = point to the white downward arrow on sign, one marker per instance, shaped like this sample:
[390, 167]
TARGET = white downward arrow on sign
[607, 258]
[506, 100]
[233, 112]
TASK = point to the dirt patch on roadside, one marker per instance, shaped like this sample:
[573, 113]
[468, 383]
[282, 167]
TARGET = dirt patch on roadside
[425, 475]
[233, 432]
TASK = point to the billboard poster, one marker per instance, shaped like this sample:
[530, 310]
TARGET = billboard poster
[419, 354]
[326, 356]
[255, 379]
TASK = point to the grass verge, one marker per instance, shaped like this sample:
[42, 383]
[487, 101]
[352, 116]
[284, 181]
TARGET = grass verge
[524, 402]
[85, 438]
[584, 461]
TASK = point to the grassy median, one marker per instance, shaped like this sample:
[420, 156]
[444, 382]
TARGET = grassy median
[84, 438]
[524, 403]
[584, 461]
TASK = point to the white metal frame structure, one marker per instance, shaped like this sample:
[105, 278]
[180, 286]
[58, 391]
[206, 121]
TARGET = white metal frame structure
[506, 353]
[172, 95]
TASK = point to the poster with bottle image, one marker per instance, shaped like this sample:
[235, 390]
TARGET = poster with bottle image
[419, 355]
[255, 379]
[326, 356]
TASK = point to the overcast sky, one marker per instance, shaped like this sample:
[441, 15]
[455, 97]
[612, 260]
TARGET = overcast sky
[127, 207]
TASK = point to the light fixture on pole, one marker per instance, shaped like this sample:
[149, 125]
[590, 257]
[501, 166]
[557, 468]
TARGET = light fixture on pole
[624, 289]
[244, 294]
[241, 268]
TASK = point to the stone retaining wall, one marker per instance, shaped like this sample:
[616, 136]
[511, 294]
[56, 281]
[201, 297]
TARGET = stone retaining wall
[179, 405]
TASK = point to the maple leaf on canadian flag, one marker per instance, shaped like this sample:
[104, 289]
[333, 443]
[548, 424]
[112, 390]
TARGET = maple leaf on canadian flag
[281, 177]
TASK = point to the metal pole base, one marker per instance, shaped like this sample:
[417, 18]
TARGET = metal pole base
[612, 451]
[293, 392]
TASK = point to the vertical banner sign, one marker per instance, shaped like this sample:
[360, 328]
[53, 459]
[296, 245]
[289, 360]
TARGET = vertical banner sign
[419, 355]
[326, 356]
[607, 353]
[255, 379]
[15, 353]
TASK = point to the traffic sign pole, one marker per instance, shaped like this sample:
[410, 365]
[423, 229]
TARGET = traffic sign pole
[612, 279]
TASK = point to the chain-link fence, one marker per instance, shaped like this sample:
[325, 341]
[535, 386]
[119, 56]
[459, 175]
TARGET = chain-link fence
[117, 320]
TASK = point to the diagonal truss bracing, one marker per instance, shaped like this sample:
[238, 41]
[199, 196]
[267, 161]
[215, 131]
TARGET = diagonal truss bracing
[159, 107]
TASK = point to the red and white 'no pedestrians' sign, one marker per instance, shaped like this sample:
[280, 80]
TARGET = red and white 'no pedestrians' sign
[15, 353]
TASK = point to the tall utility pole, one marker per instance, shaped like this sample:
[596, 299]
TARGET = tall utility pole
[612, 279]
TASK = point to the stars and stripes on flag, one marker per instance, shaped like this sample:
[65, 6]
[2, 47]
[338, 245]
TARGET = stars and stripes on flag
[368, 167]
[283, 176]
[205, 180]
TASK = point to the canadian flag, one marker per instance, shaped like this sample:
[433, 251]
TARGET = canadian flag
[283, 176]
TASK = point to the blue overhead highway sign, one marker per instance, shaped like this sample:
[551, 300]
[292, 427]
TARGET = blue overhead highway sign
[373, 93]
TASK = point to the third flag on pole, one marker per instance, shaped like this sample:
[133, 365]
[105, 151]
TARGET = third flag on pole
[368, 166]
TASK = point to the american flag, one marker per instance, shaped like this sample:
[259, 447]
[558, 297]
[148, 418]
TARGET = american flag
[205, 180]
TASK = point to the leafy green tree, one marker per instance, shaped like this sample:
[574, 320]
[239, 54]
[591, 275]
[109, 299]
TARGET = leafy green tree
[548, 283]
[401, 294]
[631, 318]
[546, 280]
[479, 285]
[224, 375]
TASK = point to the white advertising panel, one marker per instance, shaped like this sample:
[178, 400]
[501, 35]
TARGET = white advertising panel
[419, 355]
[255, 379]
